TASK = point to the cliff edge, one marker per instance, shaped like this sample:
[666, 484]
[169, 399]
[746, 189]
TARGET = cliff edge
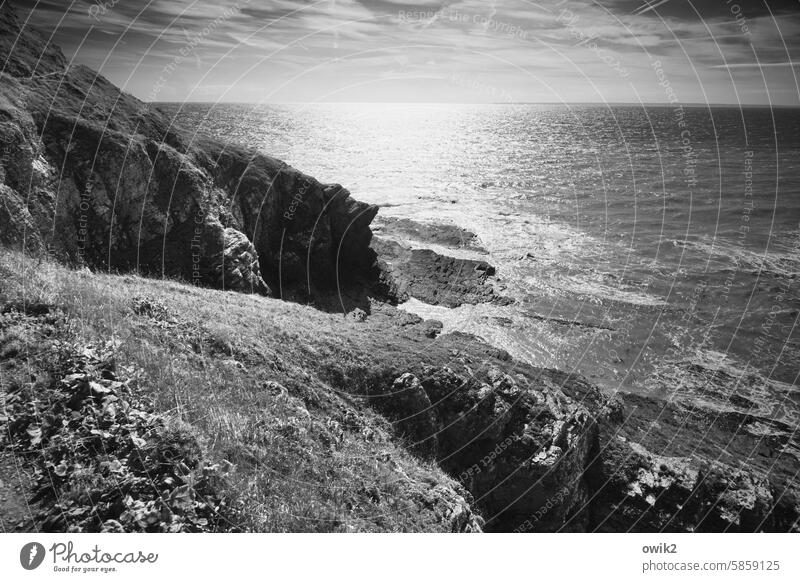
[280, 417]
[95, 177]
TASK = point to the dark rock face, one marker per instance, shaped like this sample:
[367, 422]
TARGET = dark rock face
[644, 492]
[543, 450]
[433, 278]
[240, 270]
[687, 475]
[518, 444]
[305, 232]
[98, 178]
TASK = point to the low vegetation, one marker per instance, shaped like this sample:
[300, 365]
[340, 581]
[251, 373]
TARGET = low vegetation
[151, 405]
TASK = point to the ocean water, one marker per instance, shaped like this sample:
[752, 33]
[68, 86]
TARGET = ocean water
[650, 249]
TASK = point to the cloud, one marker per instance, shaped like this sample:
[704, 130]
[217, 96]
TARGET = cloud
[291, 49]
[694, 10]
[758, 65]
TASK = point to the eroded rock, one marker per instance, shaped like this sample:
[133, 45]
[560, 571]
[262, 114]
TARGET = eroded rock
[640, 491]
[433, 278]
[239, 269]
[135, 192]
[518, 444]
[447, 235]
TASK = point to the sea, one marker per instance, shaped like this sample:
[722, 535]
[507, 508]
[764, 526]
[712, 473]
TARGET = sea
[652, 249]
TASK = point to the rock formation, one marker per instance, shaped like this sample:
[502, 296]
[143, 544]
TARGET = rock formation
[509, 432]
[431, 277]
[446, 235]
[96, 177]
[678, 466]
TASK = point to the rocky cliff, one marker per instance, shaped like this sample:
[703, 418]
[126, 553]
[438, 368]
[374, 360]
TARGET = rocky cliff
[96, 177]
[91, 176]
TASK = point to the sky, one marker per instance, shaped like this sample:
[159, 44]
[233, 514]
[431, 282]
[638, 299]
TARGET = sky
[274, 51]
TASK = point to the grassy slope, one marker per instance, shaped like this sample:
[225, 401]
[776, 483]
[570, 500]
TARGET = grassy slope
[247, 374]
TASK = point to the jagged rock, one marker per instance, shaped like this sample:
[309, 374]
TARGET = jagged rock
[520, 448]
[517, 444]
[685, 473]
[433, 278]
[409, 404]
[136, 193]
[299, 226]
[239, 269]
[18, 227]
[644, 492]
[458, 512]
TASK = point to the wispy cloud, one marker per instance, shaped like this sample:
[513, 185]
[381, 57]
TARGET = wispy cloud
[756, 65]
[649, 5]
[388, 50]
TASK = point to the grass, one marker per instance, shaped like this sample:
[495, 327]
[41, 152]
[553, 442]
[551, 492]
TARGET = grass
[249, 377]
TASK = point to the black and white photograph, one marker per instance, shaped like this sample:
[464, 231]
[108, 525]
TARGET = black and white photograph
[400, 267]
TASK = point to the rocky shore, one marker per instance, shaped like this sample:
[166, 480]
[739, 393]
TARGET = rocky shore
[445, 432]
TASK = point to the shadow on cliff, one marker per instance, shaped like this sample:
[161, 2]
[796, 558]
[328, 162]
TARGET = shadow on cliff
[94, 177]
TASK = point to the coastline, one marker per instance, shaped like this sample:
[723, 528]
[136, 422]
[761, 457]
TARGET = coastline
[478, 432]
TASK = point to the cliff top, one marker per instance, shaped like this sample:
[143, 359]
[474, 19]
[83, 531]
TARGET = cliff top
[26, 51]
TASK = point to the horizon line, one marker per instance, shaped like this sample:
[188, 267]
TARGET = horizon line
[563, 103]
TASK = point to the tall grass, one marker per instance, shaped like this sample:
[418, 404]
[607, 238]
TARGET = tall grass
[243, 371]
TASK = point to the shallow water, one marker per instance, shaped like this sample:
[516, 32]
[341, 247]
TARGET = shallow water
[639, 242]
